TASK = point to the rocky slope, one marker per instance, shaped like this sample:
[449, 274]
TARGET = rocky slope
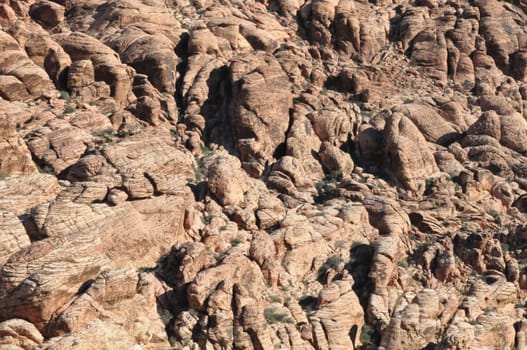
[274, 174]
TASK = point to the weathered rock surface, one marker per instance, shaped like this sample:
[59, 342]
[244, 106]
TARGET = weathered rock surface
[340, 328]
[19, 334]
[106, 63]
[311, 175]
[15, 158]
[38, 280]
[407, 153]
[20, 77]
[260, 107]
[19, 193]
[154, 225]
[13, 236]
[47, 13]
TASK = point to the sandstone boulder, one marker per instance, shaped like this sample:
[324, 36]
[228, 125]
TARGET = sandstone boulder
[18, 194]
[407, 154]
[13, 236]
[47, 13]
[260, 106]
[19, 334]
[21, 78]
[14, 154]
[39, 279]
[106, 62]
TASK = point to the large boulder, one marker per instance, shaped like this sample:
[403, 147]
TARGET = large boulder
[20, 77]
[106, 62]
[260, 104]
[149, 54]
[15, 157]
[17, 334]
[13, 236]
[407, 153]
[37, 280]
[48, 14]
[132, 233]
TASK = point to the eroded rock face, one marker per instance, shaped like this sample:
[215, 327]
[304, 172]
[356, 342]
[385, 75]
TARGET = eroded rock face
[407, 154]
[227, 181]
[420, 318]
[21, 334]
[20, 77]
[16, 158]
[341, 329]
[149, 54]
[106, 63]
[47, 13]
[58, 267]
[260, 107]
[20, 193]
[13, 236]
[318, 175]
[146, 238]
[97, 334]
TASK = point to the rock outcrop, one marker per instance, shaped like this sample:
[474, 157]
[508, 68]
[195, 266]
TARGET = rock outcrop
[292, 174]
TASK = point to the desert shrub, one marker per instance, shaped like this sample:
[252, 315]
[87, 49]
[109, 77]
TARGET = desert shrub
[272, 316]
[332, 262]
[368, 335]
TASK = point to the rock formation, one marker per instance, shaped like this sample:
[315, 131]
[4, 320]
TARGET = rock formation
[263, 174]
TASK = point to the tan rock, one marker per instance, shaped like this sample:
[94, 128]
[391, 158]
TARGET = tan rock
[192, 258]
[20, 193]
[339, 327]
[148, 54]
[225, 118]
[235, 269]
[330, 123]
[416, 323]
[137, 186]
[387, 216]
[131, 232]
[12, 89]
[81, 74]
[109, 287]
[7, 15]
[260, 105]
[335, 160]
[430, 51]
[488, 124]
[19, 334]
[55, 60]
[291, 168]
[513, 130]
[498, 103]
[302, 142]
[227, 181]
[107, 65]
[15, 63]
[263, 251]
[201, 83]
[254, 323]
[15, 157]
[407, 153]
[47, 13]
[151, 105]
[260, 39]
[96, 333]
[59, 146]
[137, 155]
[13, 236]
[57, 267]
[429, 122]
